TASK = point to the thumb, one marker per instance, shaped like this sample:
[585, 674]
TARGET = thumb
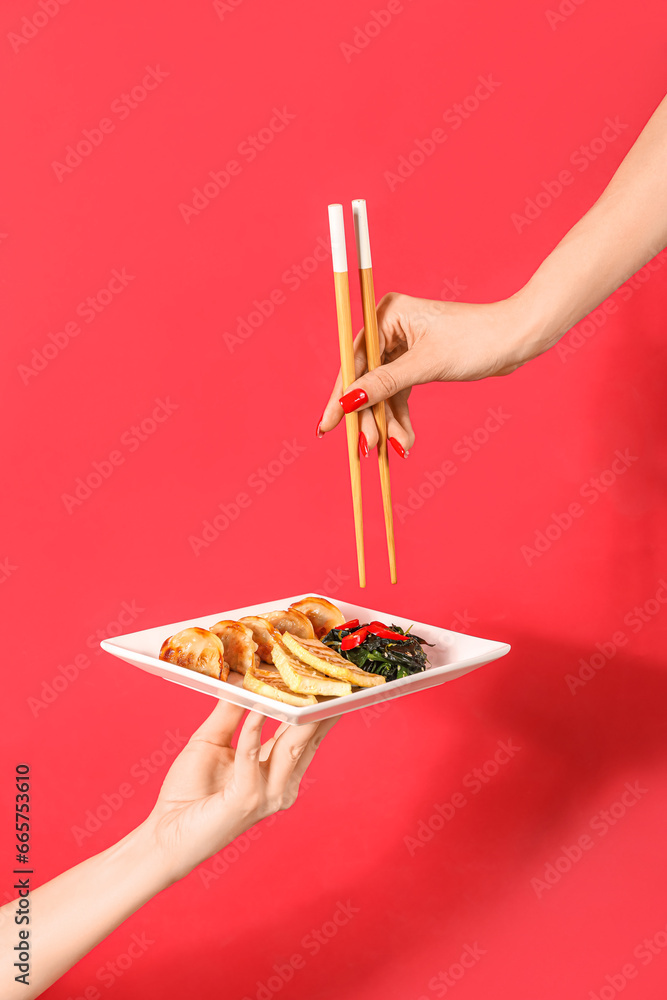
[381, 383]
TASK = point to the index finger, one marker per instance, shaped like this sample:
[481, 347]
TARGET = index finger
[220, 726]
[333, 411]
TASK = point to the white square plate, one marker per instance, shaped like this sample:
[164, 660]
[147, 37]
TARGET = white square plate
[452, 655]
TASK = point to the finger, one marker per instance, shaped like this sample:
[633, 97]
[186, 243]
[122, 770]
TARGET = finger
[367, 428]
[332, 412]
[246, 759]
[285, 755]
[268, 745]
[310, 751]
[385, 381]
[399, 426]
[220, 725]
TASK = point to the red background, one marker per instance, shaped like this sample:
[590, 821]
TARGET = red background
[67, 575]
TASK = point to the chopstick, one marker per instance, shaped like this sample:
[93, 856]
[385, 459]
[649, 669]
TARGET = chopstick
[346, 343]
[373, 361]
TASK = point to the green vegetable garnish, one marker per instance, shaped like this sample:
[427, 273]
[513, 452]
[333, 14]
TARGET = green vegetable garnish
[381, 655]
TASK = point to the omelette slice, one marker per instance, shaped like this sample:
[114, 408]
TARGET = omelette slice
[316, 654]
[302, 678]
[263, 679]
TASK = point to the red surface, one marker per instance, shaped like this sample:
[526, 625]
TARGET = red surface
[169, 334]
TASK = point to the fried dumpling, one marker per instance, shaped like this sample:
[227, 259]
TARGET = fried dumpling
[197, 649]
[293, 621]
[323, 614]
[261, 633]
[266, 680]
[240, 647]
[328, 661]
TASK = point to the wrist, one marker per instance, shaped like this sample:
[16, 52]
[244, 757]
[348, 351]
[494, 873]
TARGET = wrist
[142, 853]
[536, 323]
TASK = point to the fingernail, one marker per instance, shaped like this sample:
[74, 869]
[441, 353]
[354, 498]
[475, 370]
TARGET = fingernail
[351, 401]
[319, 432]
[363, 444]
[397, 446]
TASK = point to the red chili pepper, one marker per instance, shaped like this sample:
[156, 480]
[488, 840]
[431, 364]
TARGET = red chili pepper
[374, 625]
[363, 632]
[386, 633]
[353, 623]
[350, 641]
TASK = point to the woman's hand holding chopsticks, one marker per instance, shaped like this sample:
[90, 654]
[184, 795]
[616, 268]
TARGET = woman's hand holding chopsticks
[428, 341]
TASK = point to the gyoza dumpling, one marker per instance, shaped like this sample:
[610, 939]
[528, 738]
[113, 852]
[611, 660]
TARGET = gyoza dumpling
[323, 615]
[197, 649]
[261, 633]
[293, 621]
[240, 647]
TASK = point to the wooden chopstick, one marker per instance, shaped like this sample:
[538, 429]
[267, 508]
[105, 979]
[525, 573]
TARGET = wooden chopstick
[346, 343]
[373, 360]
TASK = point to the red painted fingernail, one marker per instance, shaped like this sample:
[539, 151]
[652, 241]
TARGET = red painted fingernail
[319, 432]
[363, 444]
[351, 401]
[397, 446]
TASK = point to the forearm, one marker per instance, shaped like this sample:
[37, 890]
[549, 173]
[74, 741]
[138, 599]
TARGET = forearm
[78, 909]
[625, 228]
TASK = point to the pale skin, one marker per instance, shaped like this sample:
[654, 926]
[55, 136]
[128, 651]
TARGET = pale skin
[423, 340]
[211, 794]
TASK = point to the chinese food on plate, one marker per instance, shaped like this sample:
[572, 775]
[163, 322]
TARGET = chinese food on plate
[300, 654]
[266, 680]
[260, 629]
[323, 614]
[239, 645]
[197, 649]
[293, 621]
[386, 650]
[326, 659]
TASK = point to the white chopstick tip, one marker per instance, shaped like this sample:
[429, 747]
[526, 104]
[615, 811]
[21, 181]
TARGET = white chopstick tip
[337, 232]
[361, 232]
